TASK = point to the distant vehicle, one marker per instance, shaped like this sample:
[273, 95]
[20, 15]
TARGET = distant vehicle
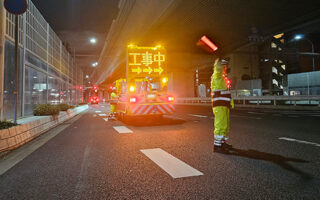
[94, 100]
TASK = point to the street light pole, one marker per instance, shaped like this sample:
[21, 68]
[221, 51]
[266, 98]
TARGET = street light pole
[313, 61]
[16, 37]
[300, 37]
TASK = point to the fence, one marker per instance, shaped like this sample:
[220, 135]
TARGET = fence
[262, 101]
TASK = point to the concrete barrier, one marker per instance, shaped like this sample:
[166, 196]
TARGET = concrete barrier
[31, 127]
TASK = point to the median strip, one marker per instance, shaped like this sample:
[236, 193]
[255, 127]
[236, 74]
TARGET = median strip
[170, 164]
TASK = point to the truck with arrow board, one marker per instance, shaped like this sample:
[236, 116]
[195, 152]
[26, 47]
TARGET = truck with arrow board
[144, 92]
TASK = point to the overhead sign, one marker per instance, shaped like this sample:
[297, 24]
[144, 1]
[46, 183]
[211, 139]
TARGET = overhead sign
[16, 7]
[146, 61]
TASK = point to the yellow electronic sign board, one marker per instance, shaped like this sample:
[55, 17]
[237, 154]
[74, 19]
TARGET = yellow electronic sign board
[146, 61]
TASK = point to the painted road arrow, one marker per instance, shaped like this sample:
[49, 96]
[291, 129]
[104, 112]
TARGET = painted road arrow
[148, 70]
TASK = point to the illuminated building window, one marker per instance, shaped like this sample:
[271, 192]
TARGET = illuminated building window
[282, 41]
[283, 67]
[279, 49]
[273, 45]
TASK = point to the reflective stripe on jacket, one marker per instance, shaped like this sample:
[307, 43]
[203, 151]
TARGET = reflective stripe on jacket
[221, 98]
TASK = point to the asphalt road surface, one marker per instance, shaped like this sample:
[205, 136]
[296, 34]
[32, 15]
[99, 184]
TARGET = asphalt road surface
[275, 155]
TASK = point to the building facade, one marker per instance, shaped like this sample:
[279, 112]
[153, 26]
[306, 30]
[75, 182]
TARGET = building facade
[47, 71]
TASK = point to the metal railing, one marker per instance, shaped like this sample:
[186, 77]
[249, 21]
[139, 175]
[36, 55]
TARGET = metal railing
[273, 101]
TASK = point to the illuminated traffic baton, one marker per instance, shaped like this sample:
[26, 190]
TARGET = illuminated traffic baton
[209, 43]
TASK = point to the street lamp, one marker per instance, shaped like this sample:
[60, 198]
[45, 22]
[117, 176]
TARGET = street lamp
[300, 37]
[94, 64]
[93, 40]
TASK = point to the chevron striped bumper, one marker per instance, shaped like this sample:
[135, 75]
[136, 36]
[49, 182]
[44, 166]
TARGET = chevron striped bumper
[151, 109]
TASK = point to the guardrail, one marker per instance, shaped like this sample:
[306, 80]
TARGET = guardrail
[250, 101]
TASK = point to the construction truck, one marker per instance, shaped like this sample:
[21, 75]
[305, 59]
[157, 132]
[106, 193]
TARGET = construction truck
[144, 91]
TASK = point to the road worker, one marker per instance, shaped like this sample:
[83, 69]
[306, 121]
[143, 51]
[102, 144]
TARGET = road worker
[221, 104]
[113, 102]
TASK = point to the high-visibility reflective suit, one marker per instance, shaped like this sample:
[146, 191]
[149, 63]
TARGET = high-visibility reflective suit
[221, 104]
[113, 102]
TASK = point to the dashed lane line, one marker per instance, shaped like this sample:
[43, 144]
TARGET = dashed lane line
[170, 164]
[98, 111]
[299, 141]
[122, 129]
[293, 116]
[103, 115]
[248, 117]
[200, 116]
[258, 113]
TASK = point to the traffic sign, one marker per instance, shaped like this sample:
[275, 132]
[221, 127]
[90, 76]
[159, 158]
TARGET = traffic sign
[146, 61]
[16, 7]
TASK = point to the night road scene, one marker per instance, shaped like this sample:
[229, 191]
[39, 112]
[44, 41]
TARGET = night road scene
[160, 99]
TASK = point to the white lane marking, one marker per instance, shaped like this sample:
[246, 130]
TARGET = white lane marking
[122, 129]
[299, 141]
[170, 164]
[256, 113]
[102, 106]
[106, 119]
[173, 117]
[245, 117]
[94, 115]
[98, 111]
[103, 115]
[293, 116]
[200, 116]
[83, 172]
[19, 154]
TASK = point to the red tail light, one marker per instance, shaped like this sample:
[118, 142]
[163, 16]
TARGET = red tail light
[133, 100]
[170, 99]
